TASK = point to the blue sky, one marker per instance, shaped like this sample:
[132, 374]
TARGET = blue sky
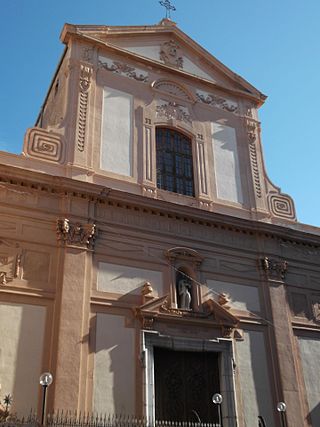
[274, 44]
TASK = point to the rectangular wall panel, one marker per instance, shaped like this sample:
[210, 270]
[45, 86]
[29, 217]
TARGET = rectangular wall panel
[242, 297]
[226, 163]
[116, 144]
[254, 379]
[114, 367]
[310, 356]
[122, 279]
[21, 347]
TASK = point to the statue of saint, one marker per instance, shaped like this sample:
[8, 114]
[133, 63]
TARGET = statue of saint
[184, 293]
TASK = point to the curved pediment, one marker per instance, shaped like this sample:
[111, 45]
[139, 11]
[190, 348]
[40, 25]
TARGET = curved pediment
[183, 253]
[172, 88]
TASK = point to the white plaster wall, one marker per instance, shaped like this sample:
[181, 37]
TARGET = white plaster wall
[310, 356]
[21, 346]
[242, 297]
[254, 379]
[226, 163]
[192, 68]
[116, 144]
[122, 279]
[148, 51]
[114, 366]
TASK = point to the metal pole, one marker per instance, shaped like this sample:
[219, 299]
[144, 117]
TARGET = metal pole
[283, 420]
[44, 396]
[220, 415]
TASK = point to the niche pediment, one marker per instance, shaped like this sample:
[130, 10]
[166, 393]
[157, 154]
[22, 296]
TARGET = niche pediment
[212, 314]
[184, 254]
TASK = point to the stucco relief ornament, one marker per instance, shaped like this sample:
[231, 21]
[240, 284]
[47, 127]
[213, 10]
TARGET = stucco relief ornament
[8, 266]
[3, 277]
[76, 234]
[84, 83]
[218, 101]
[85, 78]
[316, 311]
[170, 54]
[166, 308]
[121, 68]
[251, 130]
[172, 110]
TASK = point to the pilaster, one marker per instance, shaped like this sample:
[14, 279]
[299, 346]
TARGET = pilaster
[275, 272]
[76, 247]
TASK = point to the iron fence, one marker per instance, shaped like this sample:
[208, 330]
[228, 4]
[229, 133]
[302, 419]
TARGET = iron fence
[69, 419]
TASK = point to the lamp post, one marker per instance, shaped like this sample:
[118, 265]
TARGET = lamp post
[45, 380]
[282, 407]
[217, 400]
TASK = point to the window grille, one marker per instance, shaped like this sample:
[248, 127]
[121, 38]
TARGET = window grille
[174, 162]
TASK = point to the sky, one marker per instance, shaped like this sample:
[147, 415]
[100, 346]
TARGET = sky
[274, 44]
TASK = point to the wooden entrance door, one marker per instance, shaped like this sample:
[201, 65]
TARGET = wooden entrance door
[184, 385]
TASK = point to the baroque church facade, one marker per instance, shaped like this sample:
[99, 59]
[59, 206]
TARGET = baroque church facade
[146, 259]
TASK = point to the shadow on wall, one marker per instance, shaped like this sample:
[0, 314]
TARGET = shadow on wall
[260, 372]
[114, 365]
[29, 351]
[314, 416]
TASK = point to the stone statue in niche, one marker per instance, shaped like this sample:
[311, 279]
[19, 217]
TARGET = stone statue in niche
[183, 285]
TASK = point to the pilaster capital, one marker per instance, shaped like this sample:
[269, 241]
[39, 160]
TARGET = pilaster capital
[76, 234]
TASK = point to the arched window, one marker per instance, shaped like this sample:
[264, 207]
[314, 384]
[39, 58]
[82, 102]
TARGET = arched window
[174, 161]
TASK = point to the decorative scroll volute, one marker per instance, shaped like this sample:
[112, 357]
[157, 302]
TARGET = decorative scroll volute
[42, 144]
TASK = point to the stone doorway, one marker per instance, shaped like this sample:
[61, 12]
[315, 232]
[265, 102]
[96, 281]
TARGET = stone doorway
[184, 384]
[219, 352]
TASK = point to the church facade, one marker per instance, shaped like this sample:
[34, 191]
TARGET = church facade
[146, 259]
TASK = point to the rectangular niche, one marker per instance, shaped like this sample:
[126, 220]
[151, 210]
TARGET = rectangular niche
[116, 143]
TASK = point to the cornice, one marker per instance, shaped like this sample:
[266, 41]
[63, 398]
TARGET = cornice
[297, 234]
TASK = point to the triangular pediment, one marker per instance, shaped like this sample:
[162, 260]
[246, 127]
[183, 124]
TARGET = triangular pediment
[212, 313]
[166, 45]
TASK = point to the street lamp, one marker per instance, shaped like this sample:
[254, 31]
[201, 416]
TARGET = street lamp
[282, 407]
[45, 380]
[217, 400]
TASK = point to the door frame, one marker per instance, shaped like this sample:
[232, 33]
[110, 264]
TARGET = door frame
[224, 347]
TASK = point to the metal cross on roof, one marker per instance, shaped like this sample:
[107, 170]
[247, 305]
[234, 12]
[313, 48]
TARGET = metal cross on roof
[167, 4]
